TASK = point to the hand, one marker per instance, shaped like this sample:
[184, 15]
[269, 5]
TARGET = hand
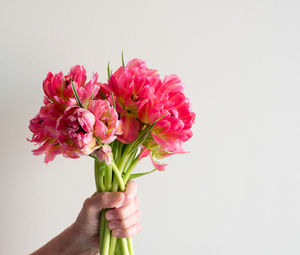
[123, 219]
[82, 237]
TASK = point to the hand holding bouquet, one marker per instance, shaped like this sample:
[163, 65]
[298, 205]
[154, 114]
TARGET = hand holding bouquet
[135, 114]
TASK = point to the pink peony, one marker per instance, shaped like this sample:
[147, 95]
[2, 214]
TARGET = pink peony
[141, 98]
[107, 125]
[75, 132]
[172, 130]
[43, 127]
[58, 88]
[168, 100]
[130, 86]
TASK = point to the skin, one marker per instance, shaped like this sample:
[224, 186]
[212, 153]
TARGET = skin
[82, 237]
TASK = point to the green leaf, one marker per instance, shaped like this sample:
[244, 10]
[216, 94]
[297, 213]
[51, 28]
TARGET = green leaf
[123, 64]
[145, 134]
[113, 99]
[130, 159]
[103, 96]
[133, 176]
[108, 71]
[76, 95]
[154, 123]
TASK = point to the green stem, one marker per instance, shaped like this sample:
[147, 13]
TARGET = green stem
[129, 161]
[129, 170]
[118, 250]
[108, 177]
[125, 157]
[113, 242]
[102, 186]
[97, 175]
[130, 246]
[113, 239]
[109, 245]
[118, 177]
[102, 228]
[106, 240]
[124, 246]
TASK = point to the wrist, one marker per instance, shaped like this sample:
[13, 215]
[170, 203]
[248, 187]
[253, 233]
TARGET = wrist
[80, 243]
[69, 242]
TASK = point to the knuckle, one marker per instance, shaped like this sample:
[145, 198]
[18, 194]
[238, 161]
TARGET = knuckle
[123, 223]
[137, 202]
[119, 214]
[138, 228]
[126, 232]
[87, 203]
[139, 213]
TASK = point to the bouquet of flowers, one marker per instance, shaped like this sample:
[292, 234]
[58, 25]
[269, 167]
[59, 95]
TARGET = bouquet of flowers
[134, 115]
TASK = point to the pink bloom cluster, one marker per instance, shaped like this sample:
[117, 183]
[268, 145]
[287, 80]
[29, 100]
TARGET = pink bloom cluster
[62, 127]
[141, 98]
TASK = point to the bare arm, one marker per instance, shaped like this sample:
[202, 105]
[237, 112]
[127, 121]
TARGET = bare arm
[82, 237]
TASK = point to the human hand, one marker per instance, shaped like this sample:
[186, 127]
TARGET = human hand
[82, 237]
[123, 218]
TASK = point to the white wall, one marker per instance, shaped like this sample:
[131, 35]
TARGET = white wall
[236, 193]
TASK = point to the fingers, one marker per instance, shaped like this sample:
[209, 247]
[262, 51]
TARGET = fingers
[110, 199]
[124, 220]
[126, 223]
[129, 232]
[123, 212]
[130, 192]
[99, 201]
[96, 203]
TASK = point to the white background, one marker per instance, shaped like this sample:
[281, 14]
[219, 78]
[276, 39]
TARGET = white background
[237, 192]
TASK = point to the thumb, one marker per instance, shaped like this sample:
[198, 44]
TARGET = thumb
[104, 200]
[111, 199]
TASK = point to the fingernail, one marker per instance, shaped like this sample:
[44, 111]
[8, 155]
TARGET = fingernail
[117, 232]
[118, 196]
[111, 226]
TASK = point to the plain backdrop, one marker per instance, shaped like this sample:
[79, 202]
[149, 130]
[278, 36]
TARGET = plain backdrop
[237, 192]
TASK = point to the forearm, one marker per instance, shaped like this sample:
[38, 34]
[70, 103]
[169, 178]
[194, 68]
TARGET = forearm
[66, 243]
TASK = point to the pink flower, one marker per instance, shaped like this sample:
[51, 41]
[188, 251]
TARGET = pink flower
[131, 127]
[130, 86]
[75, 132]
[174, 128]
[43, 127]
[142, 98]
[156, 152]
[58, 88]
[105, 154]
[169, 101]
[107, 125]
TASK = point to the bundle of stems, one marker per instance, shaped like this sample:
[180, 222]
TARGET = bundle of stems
[113, 178]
